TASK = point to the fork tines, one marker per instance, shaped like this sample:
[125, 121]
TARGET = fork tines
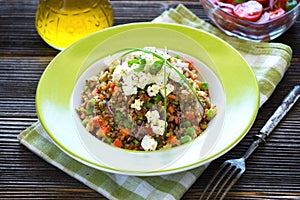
[226, 176]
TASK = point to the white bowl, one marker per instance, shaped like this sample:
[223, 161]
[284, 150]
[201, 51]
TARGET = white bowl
[152, 161]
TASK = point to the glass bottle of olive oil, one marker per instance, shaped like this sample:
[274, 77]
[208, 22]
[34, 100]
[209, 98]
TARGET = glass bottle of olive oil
[62, 22]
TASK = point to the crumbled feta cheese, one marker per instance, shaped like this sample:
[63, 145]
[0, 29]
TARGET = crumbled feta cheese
[159, 128]
[153, 90]
[158, 78]
[162, 53]
[132, 79]
[201, 93]
[129, 78]
[148, 143]
[121, 70]
[183, 65]
[144, 80]
[148, 57]
[129, 90]
[137, 104]
[116, 76]
[157, 125]
[173, 74]
[169, 89]
[185, 92]
[134, 66]
[152, 116]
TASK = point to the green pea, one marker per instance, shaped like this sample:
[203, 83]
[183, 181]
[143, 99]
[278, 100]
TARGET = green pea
[118, 117]
[189, 131]
[86, 88]
[157, 98]
[93, 102]
[185, 139]
[127, 124]
[186, 124]
[175, 102]
[139, 117]
[204, 86]
[89, 111]
[109, 140]
[135, 141]
[147, 104]
[85, 122]
[210, 113]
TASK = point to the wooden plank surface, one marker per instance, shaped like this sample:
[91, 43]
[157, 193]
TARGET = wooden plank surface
[273, 171]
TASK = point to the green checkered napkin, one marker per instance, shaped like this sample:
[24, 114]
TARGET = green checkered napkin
[269, 62]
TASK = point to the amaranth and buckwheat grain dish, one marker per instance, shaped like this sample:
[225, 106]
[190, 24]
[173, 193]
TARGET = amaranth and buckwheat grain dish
[146, 100]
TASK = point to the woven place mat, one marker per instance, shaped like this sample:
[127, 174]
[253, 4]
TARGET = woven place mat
[269, 62]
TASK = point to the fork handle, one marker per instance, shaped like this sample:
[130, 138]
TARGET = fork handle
[280, 112]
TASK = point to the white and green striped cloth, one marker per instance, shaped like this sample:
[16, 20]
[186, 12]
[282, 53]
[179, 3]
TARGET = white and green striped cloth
[269, 62]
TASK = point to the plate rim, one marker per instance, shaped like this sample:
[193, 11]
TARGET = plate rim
[160, 171]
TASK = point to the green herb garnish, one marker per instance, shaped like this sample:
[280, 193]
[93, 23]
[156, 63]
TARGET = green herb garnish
[131, 50]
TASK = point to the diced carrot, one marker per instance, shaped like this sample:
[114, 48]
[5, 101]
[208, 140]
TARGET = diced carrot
[103, 87]
[173, 140]
[105, 129]
[176, 119]
[198, 83]
[95, 92]
[108, 83]
[99, 133]
[100, 122]
[97, 121]
[101, 96]
[191, 76]
[104, 123]
[170, 138]
[171, 109]
[102, 131]
[112, 86]
[124, 132]
[167, 146]
[190, 66]
[117, 143]
[172, 96]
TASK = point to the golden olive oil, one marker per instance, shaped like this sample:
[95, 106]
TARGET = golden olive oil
[62, 22]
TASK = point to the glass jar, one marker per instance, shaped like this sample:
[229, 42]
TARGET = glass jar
[63, 22]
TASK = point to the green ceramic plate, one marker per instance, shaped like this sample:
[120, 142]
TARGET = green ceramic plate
[233, 89]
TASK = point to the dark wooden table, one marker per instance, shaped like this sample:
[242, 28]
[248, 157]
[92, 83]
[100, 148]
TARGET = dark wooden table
[273, 171]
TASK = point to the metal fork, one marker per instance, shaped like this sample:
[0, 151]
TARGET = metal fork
[231, 170]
